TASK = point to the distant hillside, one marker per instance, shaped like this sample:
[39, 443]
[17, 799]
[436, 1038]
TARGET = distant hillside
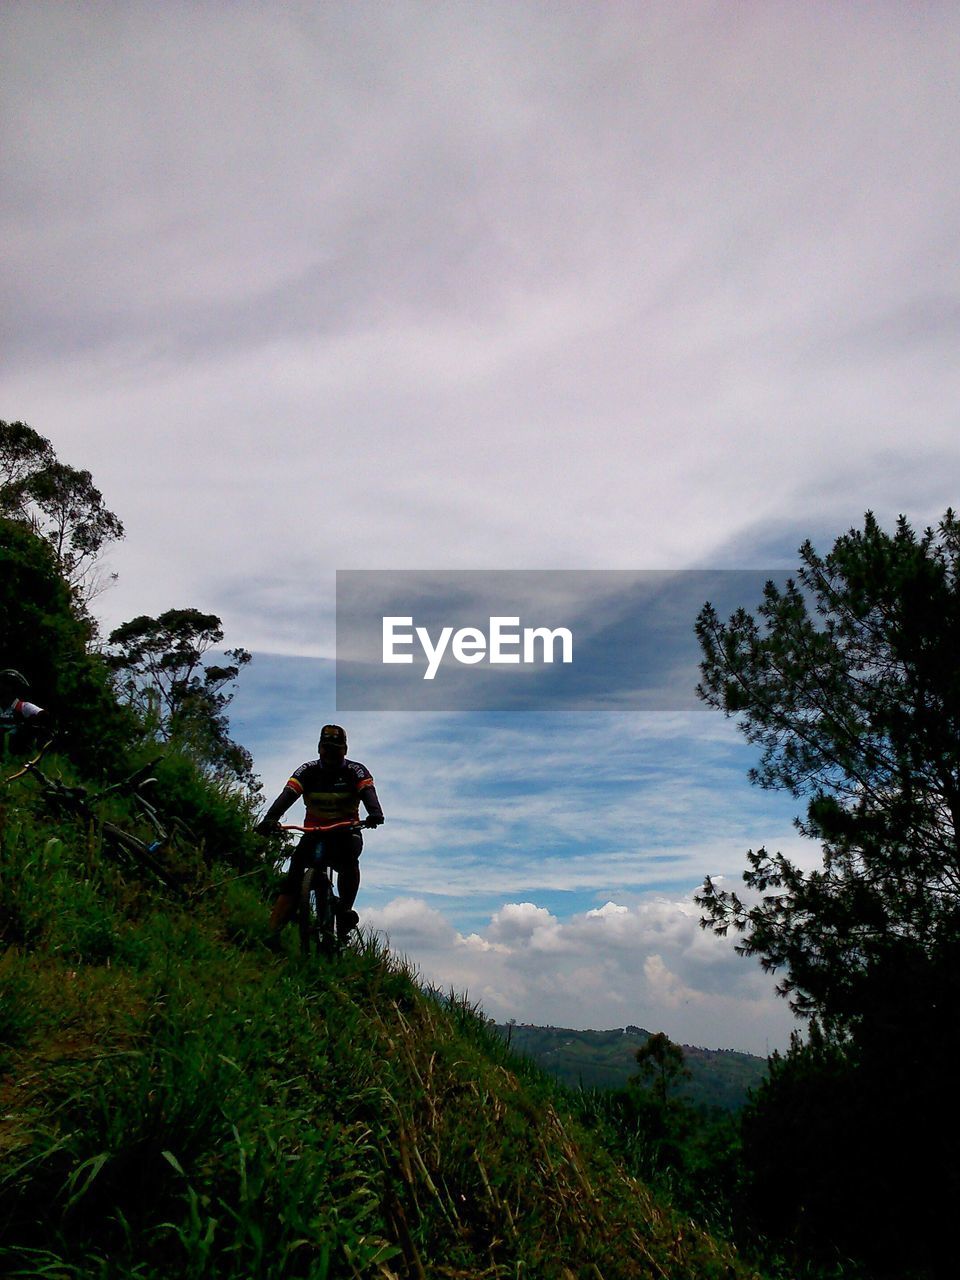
[605, 1060]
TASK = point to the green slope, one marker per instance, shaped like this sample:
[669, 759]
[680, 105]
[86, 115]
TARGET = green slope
[176, 1101]
[605, 1060]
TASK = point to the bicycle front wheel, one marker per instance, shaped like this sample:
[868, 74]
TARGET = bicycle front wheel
[317, 916]
[306, 913]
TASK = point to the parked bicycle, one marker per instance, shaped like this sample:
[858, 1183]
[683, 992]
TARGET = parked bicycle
[78, 801]
[318, 908]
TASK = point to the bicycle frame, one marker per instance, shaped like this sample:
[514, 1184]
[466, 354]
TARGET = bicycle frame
[30, 763]
[317, 908]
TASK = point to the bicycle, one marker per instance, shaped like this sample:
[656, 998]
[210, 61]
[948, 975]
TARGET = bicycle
[319, 904]
[77, 801]
[30, 764]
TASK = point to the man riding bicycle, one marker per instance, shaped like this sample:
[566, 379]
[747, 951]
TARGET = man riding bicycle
[332, 788]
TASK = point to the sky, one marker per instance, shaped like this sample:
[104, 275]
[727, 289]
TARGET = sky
[321, 287]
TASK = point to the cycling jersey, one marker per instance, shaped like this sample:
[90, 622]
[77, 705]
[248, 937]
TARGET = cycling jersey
[332, 792]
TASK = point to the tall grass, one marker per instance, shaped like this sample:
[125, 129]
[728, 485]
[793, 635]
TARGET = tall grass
[179, 1102]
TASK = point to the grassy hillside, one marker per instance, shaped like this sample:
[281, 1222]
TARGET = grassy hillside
[176, 1101]
[605, 1060]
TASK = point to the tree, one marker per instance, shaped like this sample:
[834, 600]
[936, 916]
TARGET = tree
[848, 681]
[160, 670]
[44, 635]
[22, 452]
[653, 1122]
[60, 503]
[661, 1065]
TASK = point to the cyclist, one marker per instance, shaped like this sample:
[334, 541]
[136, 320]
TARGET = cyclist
[331, 788]
[20, 721]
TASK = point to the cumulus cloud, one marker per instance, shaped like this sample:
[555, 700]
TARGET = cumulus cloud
[413, 923]
[520, 925]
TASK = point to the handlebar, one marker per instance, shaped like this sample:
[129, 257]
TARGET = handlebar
[333, 826]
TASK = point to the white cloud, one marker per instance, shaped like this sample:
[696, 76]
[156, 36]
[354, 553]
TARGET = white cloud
[665, 988]
[407, 291]
[413, 923]
[609, 910]
[520, 925]
[648, 964]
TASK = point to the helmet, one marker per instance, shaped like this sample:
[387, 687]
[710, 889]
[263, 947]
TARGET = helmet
[331, 735]
[10, 679]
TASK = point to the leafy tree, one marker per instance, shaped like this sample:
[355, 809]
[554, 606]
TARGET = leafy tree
[43, 635]
[60, 503]
[22, 452]
[848, 681]
[69, 511]
[648, 1109]
[815, 1136]
[661, 1065]
[160, 670]
[47, 633]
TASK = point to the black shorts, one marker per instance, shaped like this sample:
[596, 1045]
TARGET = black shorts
[338, 849]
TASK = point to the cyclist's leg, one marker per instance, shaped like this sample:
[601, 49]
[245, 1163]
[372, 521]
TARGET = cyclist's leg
[347, 867]
[282, 911]
[286, 903]
[348, 884]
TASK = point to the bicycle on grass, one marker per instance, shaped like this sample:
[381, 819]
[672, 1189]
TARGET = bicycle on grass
[318, 903]
[78, 802]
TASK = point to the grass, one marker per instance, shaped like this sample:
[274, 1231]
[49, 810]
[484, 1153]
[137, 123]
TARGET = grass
[177, 1101]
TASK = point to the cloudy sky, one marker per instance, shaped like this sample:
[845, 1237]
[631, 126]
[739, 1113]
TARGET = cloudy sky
[312, 287]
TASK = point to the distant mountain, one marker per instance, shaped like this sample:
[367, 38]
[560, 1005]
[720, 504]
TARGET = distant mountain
[605, 1060]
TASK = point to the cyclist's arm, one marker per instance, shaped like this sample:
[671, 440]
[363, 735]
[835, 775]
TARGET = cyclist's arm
[284, 800]
[371, 803]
